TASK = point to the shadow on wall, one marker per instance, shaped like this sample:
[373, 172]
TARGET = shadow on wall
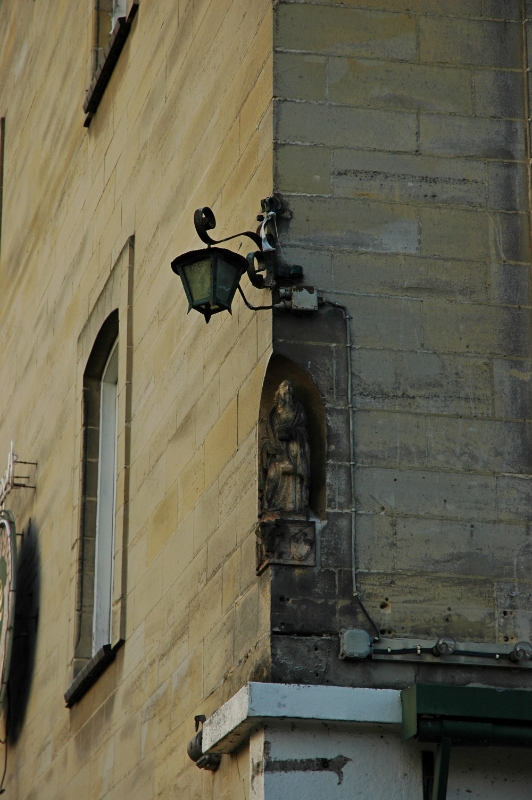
[25, 632]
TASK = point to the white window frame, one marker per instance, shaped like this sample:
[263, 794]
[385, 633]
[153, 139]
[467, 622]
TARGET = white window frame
[119, 10]
[106, 504]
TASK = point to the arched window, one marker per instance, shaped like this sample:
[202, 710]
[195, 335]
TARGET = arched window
[105, 504]
[100, 396]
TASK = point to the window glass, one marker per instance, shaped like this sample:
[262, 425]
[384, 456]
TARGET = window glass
[105, 509]
[119, 10]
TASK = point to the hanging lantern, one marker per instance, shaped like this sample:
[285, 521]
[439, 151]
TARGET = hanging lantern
[210, 278]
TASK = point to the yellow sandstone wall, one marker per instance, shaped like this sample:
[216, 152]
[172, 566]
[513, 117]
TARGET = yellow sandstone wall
[186, 121]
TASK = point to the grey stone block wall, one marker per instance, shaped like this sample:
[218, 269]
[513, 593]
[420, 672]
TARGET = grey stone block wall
[400, 148]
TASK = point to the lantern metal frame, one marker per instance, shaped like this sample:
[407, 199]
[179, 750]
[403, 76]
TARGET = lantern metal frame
[213, 303]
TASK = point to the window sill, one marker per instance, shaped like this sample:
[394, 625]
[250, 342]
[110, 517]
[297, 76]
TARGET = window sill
[111, 54]
[90, 673]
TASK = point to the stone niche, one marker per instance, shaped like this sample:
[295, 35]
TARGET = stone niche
[292, 435]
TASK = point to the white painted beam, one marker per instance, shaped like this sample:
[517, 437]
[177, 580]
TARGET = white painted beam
[257, 703]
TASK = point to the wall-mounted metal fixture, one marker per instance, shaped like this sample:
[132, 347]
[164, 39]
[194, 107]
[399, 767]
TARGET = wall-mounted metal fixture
[210, 761]
[10, 481]
[299, 298]
[212, 275]
[358, 644]
[445, 646]
[463, 716]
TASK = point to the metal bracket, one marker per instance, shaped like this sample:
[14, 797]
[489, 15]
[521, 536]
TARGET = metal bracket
[444, 650]
[208, 761]
[9, 480]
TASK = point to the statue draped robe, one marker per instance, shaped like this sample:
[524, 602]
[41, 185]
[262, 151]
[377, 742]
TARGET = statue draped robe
[285, 457]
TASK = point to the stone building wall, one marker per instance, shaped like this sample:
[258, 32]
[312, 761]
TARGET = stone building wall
[401, 151]
[185, 121]
[395, 133]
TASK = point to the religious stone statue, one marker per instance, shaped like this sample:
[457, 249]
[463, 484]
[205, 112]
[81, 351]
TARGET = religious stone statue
[285, 533]
[285, 458]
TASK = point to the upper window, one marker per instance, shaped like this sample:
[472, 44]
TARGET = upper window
[111, 28]
[108, 13]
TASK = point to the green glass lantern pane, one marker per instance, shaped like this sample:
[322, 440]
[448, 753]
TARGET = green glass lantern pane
[199, 278]
[226, 276]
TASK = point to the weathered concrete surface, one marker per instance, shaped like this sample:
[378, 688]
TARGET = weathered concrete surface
[309, 762]
[400, 149]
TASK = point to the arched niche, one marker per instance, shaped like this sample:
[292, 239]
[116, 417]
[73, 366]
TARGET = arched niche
[280, 369]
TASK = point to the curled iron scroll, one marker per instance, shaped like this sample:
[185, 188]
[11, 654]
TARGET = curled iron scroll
[204, 220]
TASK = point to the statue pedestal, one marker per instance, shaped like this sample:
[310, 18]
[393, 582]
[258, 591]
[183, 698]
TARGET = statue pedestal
[286, 541]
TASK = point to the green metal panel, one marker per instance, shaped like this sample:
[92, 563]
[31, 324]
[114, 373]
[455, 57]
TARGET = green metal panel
[409, 704]
[465, 702]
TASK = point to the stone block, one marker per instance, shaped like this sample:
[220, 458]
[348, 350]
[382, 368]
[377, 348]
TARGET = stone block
[375, 548]
[221, 442]
[452, 7]
[302, 169]
[256, 103]
[449, 547]
[338, 489]
[231, 579]
[381, 84]
[287, 583]
[220, 645]
[409, 178]
[432, 493]
[390, 439]
[191, 484]
[249, 401]
[512, 384]
[478, 42]
[286, 541]
[417, 603]
[303, 600]
[513, 609]
[300, 76]
[239, 364]
[410, 276]
[467, 234]
[205, 609]
[462, 328]
[335, 541]
[507, 188]
[247, 621]
[423, 382]
[162, 523]
[343, 126]
[514, 497]
[344, 31]
[338, 426]
[480, 445]
[353, 223]
[474, 137]
[503, 9]
[305, 615]
[387, 322]
[510, 283]
[206, 517]
[498, 94]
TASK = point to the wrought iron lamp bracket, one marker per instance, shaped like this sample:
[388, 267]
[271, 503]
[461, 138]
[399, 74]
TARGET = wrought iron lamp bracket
[204, 220]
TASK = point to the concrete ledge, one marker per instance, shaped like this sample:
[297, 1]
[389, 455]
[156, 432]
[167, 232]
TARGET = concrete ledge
[259, 702]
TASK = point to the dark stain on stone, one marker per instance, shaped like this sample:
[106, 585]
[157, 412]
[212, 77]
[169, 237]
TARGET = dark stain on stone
[335, 765]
